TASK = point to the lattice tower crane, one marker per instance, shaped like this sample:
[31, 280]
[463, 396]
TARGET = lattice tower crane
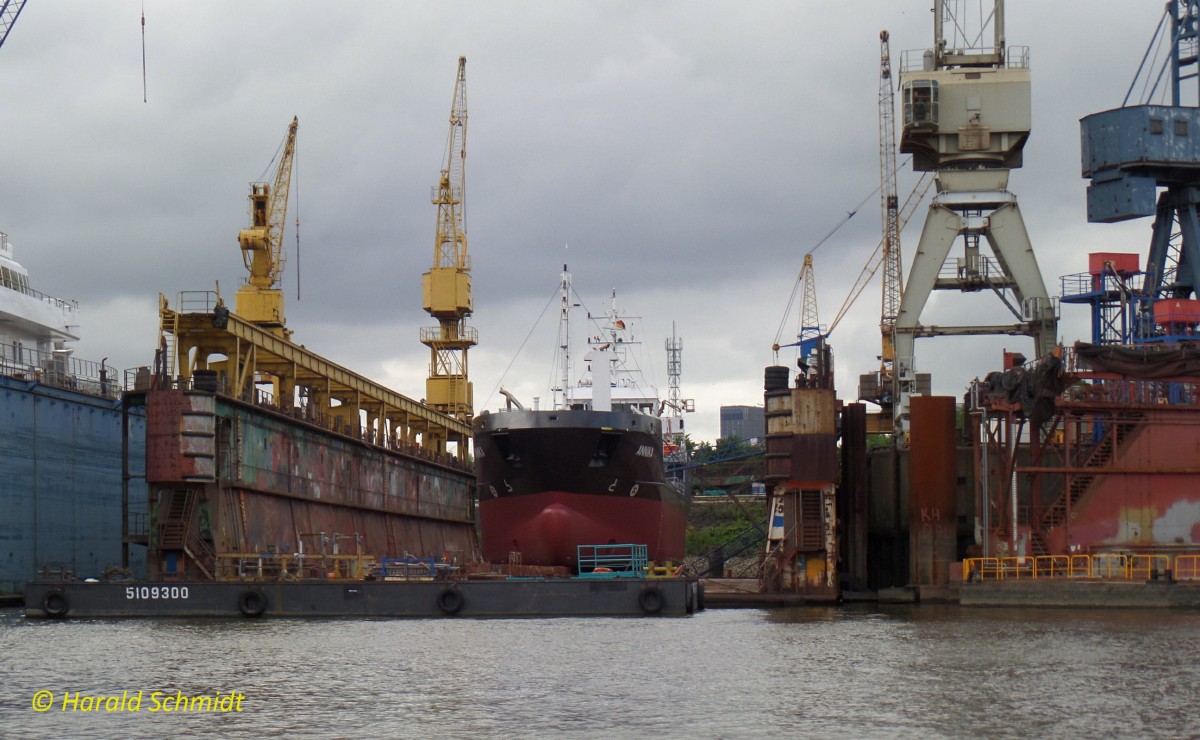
[893, 278]
[876, 259]
[446, 288]
[260, 299]
[814, 358]
[9, 10]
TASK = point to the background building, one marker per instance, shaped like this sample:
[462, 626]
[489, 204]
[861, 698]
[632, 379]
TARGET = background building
[744, 422]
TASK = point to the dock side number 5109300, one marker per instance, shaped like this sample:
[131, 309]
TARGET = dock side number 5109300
[156, 592]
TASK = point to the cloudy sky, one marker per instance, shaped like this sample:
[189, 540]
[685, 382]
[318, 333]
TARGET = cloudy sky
[687, 153]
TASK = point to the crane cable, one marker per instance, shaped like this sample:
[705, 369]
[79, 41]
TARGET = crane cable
[296, 186]
[143, 52]
[504, 374]
[799, 276]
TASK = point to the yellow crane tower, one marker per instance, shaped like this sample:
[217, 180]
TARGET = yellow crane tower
[893, 277]
[260, 300]
[446, 288]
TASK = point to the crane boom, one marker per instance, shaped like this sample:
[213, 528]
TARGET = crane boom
[260, 300]
[810, 325]
[876, 259]
[9, 10]
[893, 277]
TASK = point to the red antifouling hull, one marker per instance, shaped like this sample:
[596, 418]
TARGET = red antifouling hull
[545, 528]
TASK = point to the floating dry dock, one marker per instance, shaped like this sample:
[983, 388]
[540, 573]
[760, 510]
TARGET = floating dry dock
[513, 597]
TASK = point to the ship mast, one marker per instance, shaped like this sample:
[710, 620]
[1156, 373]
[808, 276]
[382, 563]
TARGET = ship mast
[564, 340]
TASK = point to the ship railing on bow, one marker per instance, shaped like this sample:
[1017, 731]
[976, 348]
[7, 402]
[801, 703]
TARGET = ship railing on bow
[59, 370]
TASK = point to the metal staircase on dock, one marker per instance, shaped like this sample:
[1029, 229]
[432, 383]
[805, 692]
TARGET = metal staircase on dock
[175, 531]
[1100, 455]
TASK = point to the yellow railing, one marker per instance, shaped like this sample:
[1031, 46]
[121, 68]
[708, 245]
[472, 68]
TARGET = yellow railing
[250, 566]
[1102, 566]
[1187, 567]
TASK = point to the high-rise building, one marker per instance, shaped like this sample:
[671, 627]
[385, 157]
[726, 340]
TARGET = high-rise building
[743, 422]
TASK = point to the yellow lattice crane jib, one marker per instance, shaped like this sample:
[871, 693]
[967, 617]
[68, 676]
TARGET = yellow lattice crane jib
[446, 288]
[260, 300]
[893, 276]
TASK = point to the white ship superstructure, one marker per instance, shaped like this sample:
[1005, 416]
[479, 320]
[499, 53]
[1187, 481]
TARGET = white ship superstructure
[34, 327]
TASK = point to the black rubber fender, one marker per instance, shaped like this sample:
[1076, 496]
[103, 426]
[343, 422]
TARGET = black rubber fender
[699, 596]
[252, 603]
[650, 599]
[450, 600]
[689, 603]
[55, 603]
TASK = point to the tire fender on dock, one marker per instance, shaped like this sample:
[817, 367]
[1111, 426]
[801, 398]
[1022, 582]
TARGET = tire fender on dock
[55, 603]
[252, 603]
[650, 599]
[450, 600]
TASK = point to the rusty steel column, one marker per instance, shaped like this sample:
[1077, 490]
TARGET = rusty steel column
[931, 479]
[802, 473]
[852, 493]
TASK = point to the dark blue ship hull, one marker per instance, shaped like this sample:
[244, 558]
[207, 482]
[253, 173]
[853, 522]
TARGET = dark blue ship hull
[61, 485]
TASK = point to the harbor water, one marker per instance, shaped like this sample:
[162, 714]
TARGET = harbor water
[855, 671]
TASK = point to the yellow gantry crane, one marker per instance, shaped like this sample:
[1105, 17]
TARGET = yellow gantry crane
[260, 300]
[446, 288]
[240, 353]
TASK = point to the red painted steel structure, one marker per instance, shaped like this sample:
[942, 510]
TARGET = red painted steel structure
[1111, 467]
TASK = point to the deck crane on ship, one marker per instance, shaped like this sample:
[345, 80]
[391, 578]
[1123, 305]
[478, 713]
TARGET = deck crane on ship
[446, 288]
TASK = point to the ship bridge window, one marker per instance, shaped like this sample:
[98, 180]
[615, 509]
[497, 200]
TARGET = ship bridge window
[920, 102]
[606, 447]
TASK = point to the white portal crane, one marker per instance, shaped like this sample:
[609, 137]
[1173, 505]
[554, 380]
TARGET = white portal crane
[966, 116]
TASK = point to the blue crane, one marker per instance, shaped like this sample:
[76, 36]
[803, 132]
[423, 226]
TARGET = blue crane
[1141, 162]
[9, 10]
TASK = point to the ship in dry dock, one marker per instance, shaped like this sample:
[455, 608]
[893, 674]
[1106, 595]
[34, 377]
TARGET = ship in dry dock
[63, 434]
[587, 472]
[283, 484]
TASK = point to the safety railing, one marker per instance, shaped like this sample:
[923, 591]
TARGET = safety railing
[409, 568]
[610, 560]
[336, 424]
[1097, 566]
[270, 566]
